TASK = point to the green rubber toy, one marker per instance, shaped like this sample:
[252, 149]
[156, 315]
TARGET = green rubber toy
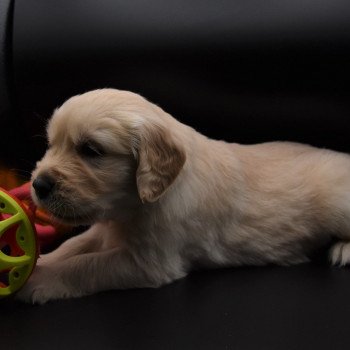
[18, 244]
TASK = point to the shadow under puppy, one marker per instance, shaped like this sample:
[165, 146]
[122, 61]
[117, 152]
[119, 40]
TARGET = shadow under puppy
[162, 198]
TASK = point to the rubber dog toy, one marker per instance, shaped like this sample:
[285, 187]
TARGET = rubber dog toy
[23, 230]
[18, 244]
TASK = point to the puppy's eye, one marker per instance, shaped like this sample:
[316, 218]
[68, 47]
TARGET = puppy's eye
[90, 150]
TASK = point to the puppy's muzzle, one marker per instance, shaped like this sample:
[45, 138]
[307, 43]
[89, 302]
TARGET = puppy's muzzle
[43, 186]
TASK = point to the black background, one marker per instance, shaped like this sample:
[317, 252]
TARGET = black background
[240, 70]
[243, 71]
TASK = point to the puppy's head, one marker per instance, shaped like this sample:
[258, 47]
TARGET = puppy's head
[109, 152]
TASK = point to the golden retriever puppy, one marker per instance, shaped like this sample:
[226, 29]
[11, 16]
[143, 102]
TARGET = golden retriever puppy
[162, 198]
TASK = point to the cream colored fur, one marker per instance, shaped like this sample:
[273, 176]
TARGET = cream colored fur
[162, 199]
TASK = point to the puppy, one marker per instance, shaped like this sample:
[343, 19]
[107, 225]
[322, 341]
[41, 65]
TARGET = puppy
[161, 199]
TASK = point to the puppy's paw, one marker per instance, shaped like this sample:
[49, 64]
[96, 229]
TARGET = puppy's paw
[45, 284]
[340, 254]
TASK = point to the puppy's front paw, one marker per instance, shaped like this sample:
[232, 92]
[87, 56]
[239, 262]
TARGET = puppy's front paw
[43, 285]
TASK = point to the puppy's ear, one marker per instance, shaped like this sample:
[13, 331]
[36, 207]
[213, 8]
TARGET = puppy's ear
[160, 160]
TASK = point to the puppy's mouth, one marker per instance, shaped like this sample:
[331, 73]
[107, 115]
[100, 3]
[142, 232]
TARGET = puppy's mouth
[73, 219]
[70, 218]
[63, 212]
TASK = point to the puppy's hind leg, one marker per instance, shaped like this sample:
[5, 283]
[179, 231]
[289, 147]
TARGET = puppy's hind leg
[340, 253]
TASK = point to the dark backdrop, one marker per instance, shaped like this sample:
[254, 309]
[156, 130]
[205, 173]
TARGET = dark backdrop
[235, 70]
[240, 70]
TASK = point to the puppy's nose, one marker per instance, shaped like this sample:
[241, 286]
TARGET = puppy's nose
[43, 186]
